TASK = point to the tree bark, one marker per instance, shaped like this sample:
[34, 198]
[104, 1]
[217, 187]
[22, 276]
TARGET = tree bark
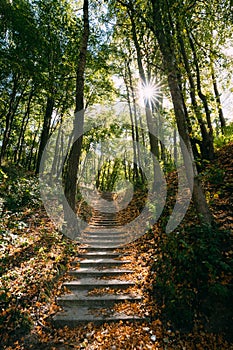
[154, 143]
[45, 129]
[75, 152]
[208, 145]
[218, 100]
[165, 40]
[21, 138]
[207, 141]
[13, 105]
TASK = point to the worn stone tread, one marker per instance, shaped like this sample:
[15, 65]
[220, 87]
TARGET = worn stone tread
[103, 300]
[76, 316]
[90, 283]
[100, 273]
[99, 254]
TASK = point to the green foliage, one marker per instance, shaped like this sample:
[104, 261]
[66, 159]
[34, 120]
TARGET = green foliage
[18, 192]
[214, 175]
[224, 139]
[189, 274]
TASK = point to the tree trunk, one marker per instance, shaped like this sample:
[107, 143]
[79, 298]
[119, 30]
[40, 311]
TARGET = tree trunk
[154, 143]
[208, 146]
[13, 105]
[45, 129]
[218, 100]
[19, 148]
[134, 133]
[75, 152]
[165, 41]
[28, 161]
[205, 136]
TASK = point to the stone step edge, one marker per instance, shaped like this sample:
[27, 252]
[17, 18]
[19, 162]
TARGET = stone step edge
[72, 318]
[106, 271]
[100, 261]
[84, 297]
[100, 254]
[94, 283]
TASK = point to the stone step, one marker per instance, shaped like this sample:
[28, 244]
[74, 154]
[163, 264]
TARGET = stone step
[107, 240]
[110, 239]
[104, 231]
[82, 315]
[89, 249]
[96, 226]
[88, 272]
[106, 216]
[105, 219]
[103, 223]
[92, 283]
[99, 244]
[105, 245]
[99, 255]
[92, 235]
[106, 300]
[100, 262]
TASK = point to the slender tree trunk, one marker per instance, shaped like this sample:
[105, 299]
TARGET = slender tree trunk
[135, 172]
[175, 145]
[13, 105]
[154, 143]
[205, 136]
[189, 125]
[74, 156]
[151, 128]
[218, 100]
[134, 122]
[165, 41]
[19, 148]
[28, 163]
[45, 129]
[208, 145]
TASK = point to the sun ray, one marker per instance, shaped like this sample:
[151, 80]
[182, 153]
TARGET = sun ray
[150, 91]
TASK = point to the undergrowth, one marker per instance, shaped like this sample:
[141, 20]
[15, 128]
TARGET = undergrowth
[191, 277]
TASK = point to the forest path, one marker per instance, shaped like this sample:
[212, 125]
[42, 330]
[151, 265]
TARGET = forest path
[103, 289]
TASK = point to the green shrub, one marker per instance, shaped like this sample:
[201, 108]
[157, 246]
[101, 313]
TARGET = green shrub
[21, 192]
[189, 274]
[222, 140]
[215, 175]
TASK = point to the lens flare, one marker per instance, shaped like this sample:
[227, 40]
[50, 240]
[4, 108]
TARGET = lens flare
[150, 91]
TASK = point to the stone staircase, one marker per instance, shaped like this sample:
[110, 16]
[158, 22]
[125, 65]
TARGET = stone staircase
[101, 277]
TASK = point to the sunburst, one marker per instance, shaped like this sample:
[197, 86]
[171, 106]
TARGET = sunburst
[150, 91]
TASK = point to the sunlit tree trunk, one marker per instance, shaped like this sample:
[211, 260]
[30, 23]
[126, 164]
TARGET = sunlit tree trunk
[207, 141]
[75, 152]
[218, 99]
[15, 99]
[46, 129]
[208, 145]
[133, 131]
[165, 40]
[21, 138]
[150, 124]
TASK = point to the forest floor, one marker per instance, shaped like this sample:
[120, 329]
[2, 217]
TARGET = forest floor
[35, 258]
